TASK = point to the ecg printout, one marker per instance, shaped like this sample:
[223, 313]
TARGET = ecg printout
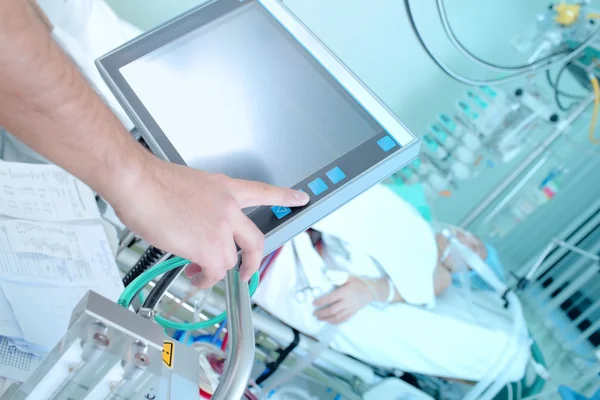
[53, 249]
[55, 253]
[43, 192]
[15, 364]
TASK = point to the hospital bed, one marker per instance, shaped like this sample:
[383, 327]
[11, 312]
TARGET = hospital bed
[561, 289]
[363, 377]
[482, 322]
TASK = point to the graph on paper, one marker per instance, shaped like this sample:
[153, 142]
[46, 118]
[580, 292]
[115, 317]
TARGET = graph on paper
[13, 357]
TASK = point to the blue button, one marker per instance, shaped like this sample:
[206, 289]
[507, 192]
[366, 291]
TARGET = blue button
[386, 143]
[336, 175]
[280, 211]
[318, 186]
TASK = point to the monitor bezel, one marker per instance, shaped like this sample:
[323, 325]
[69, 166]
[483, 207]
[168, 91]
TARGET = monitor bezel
[376, 166]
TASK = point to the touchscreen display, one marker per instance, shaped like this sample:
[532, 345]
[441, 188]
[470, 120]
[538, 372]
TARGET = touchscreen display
[240, 96]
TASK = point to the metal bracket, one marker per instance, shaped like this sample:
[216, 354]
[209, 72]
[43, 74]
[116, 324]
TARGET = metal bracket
[147, 313]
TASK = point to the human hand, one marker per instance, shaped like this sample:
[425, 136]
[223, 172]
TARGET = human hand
[340, 305]
[198, 216]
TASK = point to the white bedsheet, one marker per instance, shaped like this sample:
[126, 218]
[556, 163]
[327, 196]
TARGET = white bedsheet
[459, 338]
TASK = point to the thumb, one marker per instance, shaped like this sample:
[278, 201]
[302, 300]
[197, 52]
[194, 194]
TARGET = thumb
[252, 194]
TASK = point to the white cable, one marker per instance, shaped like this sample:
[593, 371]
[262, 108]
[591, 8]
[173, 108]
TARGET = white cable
[485, 82]
[455, 42]
[509, 389]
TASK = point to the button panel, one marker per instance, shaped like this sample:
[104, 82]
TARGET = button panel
[387, 143]
[318, 186]
[281, 211]
[336, 175]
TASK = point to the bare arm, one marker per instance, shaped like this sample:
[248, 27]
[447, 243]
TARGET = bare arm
[47, 103]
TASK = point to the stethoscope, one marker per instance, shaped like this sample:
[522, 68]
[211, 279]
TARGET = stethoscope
[303, 291]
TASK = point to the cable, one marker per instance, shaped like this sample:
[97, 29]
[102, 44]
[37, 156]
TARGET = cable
[554, 85]
[225, 341]
[138, 284]
[161, 287]
[268, 261]
[215, 337]
[461, 47]
[557, 92]
[148, 259]
[483, 82]
[283, 355]
[592, 132]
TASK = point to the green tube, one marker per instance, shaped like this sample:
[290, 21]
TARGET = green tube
[141, 281]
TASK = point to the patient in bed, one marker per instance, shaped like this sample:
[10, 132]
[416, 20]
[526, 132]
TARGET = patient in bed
[377, 271]
[358, 292]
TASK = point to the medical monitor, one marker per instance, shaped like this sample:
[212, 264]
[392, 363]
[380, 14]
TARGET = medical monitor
[243, 88]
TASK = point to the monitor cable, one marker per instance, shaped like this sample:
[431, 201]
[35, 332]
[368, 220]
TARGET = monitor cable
[272, 367]
[592, 131]
[500, 68]
[555, 84]
[160, 289]
[511, 78]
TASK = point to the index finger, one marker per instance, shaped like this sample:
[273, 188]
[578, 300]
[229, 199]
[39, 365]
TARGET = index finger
[252, 194]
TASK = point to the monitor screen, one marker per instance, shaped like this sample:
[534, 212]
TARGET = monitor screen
[240, 96]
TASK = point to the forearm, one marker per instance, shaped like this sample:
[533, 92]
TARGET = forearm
[441, 280]
[41, 15]
[46, 103]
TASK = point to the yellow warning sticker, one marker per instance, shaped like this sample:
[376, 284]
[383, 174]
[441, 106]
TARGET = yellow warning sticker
[168, 354]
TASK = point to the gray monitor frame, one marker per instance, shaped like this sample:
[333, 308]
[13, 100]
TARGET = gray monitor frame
[364, 166]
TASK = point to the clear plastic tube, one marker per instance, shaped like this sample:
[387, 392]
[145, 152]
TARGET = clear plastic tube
[495, 378]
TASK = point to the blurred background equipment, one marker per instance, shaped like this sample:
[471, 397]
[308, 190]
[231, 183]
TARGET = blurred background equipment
[504, 96]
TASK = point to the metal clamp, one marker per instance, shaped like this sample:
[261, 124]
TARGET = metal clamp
[238, 365]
